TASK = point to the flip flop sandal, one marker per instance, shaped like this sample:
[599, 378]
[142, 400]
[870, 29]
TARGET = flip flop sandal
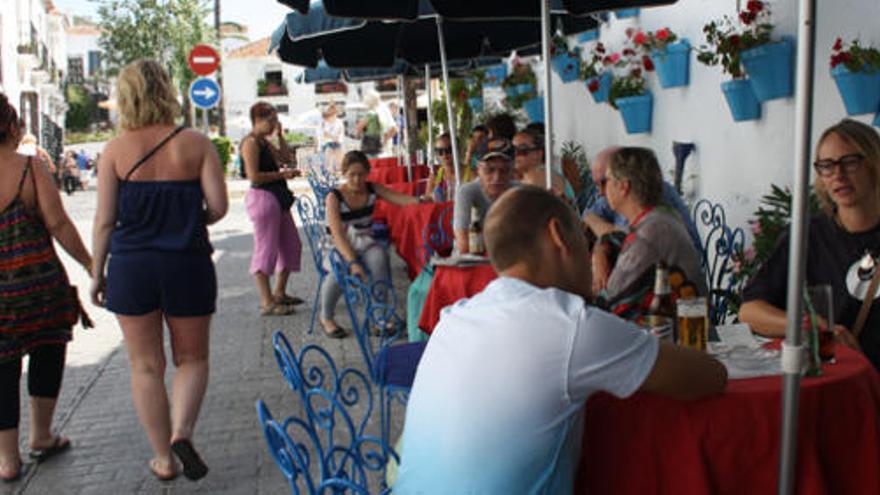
[159, 474]
[336, 333]
[194, 467]
[23, 470]
[290, 300]
[276, 309]
[59, 445]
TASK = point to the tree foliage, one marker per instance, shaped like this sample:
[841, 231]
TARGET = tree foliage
[80, 108]
[164, 30]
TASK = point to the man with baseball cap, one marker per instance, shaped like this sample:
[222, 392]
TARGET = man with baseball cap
[494, 172]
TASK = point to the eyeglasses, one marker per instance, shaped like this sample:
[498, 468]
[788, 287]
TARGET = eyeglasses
[848, 164]
[524, 150]
[602, 182]
[443, 151]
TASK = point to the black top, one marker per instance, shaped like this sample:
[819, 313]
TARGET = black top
[831, 254]
[267, 163]
[360, 217]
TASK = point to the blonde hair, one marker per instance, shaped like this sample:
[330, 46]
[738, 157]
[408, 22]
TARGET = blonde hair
[145, 95]
[863, 137]
[29, 139]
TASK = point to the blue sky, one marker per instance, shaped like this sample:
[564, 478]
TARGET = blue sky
[260, 19]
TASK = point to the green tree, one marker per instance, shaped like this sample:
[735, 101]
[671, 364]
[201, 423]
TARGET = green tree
[80, 108]
[160, 29]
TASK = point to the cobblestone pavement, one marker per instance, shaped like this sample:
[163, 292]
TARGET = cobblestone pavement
[110, 451]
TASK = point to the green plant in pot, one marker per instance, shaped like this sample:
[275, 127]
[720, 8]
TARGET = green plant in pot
[856, 70]
[520, 85]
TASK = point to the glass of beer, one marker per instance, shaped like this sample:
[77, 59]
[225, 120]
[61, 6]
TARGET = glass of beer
[822, 300]
[693, 323]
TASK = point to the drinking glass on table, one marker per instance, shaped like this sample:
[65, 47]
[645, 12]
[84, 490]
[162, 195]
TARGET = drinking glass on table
[822, 300]
[693, 322]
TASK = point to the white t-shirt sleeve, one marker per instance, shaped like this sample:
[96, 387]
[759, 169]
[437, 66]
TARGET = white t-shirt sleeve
[608, 354]
[385, 118]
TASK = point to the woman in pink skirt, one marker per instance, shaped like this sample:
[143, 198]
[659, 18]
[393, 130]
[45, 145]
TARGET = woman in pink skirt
[277, 247]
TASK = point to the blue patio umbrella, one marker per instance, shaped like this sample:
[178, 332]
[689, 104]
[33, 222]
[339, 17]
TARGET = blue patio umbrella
[320, 74]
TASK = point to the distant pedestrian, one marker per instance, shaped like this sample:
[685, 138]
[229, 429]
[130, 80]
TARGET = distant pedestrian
[160, 267]
[69, 173]
[277, 248]
[37, 304]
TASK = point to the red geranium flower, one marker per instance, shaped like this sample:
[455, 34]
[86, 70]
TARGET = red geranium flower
[593, 86]
[835, 60]
[754, 6]
[648, 63]
[662, 34]
[614, 57]
[628, 52]
[838, 44]
[640, 38]
[746, 17]
[734, 40]
[600, 48]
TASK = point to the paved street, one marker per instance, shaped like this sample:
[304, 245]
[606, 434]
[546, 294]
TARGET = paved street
[110, 451]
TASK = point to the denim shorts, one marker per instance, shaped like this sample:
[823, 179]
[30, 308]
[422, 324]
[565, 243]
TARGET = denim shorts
[178, 284]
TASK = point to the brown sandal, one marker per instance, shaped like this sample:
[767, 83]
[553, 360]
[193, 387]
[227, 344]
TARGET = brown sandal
[276, 309]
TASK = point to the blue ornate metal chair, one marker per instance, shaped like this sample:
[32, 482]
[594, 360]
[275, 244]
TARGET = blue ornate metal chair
[313, 224]
[321, 189]
[325, 452]
[371, 305]
[436, 239]
[719, 244]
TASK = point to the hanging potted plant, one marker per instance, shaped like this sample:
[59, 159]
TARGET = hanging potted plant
[519, 85]
[595, 75]
[495, 75]
[629, 89]
[856, 70]
[670, 55]
[565, 61]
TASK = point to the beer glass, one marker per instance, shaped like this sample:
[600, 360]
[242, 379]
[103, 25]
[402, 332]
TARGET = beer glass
[822, 300]
[693, 323]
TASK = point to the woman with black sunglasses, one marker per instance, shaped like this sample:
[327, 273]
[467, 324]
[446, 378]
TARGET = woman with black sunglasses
[442, 183]
[843, 243]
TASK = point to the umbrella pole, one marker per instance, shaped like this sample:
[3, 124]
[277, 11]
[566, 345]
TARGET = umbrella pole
[403, 134]
[450, 116]
[429, 155]
[792, 352]
[548, 91]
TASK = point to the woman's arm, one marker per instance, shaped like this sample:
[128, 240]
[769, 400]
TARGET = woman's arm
[764, 318]
[105, 214]
[393, 196]
[283, 153]
[250, 154]
[213, 184]
[57, 222]
[337, 229]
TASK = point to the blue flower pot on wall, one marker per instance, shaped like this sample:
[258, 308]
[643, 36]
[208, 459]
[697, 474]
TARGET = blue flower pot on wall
[636, 112]
[535, 109]
[860, 90]
[586, 37]
[510, 91]
[524, 89]
[476, 104]
[625, 13]
[566, 66]
[673, 64]
[743, 103]
[494, 75]
[770, 69]
[876, 121]
[604, 83]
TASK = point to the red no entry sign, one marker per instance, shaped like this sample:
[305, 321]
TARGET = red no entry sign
[203, 60]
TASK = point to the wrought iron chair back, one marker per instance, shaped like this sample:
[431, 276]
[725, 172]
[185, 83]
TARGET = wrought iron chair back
[437, 236]
[371, 305]
[313, 225]
[320, 189]
[314, 369]
[719, 244]
[324, 453]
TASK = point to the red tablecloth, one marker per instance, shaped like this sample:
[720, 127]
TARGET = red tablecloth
[390, 175]
[390, 161]
[450, 284]
[730, 444]
[406, 224]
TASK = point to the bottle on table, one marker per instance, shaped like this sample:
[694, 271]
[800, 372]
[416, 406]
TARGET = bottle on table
[661, 312]
[475, 233]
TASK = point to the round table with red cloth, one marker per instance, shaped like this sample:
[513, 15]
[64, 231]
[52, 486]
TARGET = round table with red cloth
[389, 161]
[731, 444]
[406, 225]
[451, 283]
[390, 175]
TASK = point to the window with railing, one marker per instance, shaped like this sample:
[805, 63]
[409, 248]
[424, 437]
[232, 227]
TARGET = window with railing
[272, 84]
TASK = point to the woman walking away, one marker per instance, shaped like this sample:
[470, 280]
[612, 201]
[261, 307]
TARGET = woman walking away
[38, 307]
[158, 187]
[277, 247]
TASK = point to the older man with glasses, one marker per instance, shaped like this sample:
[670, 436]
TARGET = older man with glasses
[442, 183]
[495, 176]
[602, 219]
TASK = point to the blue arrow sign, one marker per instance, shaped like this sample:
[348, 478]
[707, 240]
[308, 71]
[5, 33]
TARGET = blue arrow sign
[204, 92]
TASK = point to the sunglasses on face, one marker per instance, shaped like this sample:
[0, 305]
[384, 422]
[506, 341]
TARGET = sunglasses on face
[848, 164]
[443, 151]
[525, 150]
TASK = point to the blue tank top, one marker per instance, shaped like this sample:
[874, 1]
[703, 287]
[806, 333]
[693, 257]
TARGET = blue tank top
[160, 216]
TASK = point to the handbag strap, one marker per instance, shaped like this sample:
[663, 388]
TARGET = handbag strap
[866, 303]
[153, 151]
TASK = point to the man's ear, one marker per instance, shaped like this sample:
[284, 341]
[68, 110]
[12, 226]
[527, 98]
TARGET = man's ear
[557, 240]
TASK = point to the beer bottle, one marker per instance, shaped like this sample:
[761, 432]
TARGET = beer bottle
[475, 233]
[661, 312]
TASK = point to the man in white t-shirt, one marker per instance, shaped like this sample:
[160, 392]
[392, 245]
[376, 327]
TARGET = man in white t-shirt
[497, 398]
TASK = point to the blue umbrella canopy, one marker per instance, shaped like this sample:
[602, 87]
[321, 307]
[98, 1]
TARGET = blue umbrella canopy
[470, 9]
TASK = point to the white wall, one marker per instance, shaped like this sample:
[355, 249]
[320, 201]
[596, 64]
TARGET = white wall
[735, 163]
